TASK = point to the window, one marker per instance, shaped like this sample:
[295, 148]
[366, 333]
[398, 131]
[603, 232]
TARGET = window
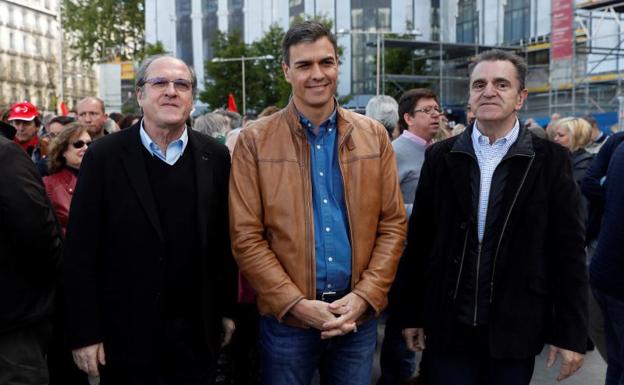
[184, 32]
[517, 20]
[467, 22]
[366, 16]
[12, 40]
[210, 25]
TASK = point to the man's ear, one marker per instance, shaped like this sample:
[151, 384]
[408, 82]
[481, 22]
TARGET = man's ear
[139, 96]
[286, 70]
[408, 119]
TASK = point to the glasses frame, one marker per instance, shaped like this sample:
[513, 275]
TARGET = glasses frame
[160, 83]
[430, 109]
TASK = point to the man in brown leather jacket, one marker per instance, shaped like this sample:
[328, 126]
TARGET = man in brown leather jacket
[317, 222]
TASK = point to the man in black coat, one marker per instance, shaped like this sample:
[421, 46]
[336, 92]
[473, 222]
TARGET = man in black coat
[30, 255]
[149, 276]
[495, 265]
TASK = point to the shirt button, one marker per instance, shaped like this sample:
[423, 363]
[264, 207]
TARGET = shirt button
[321, 173]
[330, 130]
[330, 259]
[325, 201]
[329, 285]
[318, 146]
[327, 229]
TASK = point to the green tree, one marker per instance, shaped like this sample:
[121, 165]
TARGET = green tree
[264, 79]
[223, 78]
[400, 61]
[101, 30]
[151, 50]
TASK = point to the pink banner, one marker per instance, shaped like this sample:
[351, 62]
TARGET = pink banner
[562, 30]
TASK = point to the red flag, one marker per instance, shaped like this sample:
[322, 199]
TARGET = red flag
[64, 109]
[231, 103]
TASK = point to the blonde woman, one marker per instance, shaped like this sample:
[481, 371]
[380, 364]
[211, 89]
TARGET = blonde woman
[574, 134]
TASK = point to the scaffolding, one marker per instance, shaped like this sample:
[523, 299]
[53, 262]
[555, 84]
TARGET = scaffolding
[595, 82]
[597, 62]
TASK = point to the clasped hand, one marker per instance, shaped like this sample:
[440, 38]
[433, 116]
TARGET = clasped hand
[332, 319]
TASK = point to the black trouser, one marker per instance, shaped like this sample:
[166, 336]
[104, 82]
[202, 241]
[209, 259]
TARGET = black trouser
[469, 362]
[22, 355]
[181, 358]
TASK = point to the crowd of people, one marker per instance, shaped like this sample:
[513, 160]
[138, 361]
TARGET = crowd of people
[161, 249]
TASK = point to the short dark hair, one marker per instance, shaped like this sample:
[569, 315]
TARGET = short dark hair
[62, 120]
[408, 101]
[500, 55]
[308, 31]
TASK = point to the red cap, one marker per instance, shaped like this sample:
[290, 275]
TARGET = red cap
[23, 111]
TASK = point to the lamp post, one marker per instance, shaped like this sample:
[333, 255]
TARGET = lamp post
[242, 59]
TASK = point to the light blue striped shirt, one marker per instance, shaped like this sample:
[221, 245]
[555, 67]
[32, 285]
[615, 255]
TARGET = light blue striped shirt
[174, 149]
[489, 156]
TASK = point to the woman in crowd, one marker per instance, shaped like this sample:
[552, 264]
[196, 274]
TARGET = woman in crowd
[574, 134]
[64, 159]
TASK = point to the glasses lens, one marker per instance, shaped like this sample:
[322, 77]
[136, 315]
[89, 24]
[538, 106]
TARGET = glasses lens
[80, 144]
[182, 85]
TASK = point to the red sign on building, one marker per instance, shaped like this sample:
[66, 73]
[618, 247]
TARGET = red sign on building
[562, 30]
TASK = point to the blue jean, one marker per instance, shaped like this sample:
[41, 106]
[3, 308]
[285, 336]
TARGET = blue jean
[291, 356]
[613, 314]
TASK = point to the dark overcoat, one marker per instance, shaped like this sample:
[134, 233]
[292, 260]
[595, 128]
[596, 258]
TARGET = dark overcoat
[114, 267]
[538, 291]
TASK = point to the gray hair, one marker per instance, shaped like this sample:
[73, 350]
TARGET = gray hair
[141, 75]
[212, 124]
[384, 109]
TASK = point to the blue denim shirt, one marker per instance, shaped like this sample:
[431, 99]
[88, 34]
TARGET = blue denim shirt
[331, 227]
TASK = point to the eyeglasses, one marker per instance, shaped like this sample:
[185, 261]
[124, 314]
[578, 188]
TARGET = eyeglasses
[80, 144]
[160, 84]
[429, 110]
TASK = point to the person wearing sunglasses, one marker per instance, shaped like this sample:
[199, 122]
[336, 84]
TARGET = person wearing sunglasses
[65, 156]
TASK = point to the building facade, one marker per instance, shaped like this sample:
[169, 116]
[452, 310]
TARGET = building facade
[187, 26]
[30, 57]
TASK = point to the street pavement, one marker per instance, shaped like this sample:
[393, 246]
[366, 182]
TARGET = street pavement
[592, 372]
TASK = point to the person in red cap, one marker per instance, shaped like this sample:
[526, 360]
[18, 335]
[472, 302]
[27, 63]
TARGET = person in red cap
[25, 118]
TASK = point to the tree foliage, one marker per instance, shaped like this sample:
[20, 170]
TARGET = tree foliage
[101, 30]
[265, 84]
[401, 61]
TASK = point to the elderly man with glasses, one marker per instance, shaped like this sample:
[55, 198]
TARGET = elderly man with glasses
[148, 270]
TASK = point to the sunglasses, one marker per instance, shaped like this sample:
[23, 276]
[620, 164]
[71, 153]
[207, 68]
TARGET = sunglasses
[160, 84]
[80, 144]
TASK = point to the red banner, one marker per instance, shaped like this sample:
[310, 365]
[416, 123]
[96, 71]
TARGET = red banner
[562, 30]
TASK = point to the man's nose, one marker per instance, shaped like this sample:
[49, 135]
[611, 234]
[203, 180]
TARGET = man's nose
[170, 89]
[489, 90]
[317, 72]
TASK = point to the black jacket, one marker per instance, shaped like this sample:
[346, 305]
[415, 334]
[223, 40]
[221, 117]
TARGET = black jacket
[537, 289]
[30, 242]
[114, 269]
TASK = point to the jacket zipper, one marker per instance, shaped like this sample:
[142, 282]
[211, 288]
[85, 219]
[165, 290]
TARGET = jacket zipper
[500, 239]
[461, 265]
[476, 305]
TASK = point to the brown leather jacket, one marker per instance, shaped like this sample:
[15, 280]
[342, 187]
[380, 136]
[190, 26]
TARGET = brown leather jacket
[271, 218]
